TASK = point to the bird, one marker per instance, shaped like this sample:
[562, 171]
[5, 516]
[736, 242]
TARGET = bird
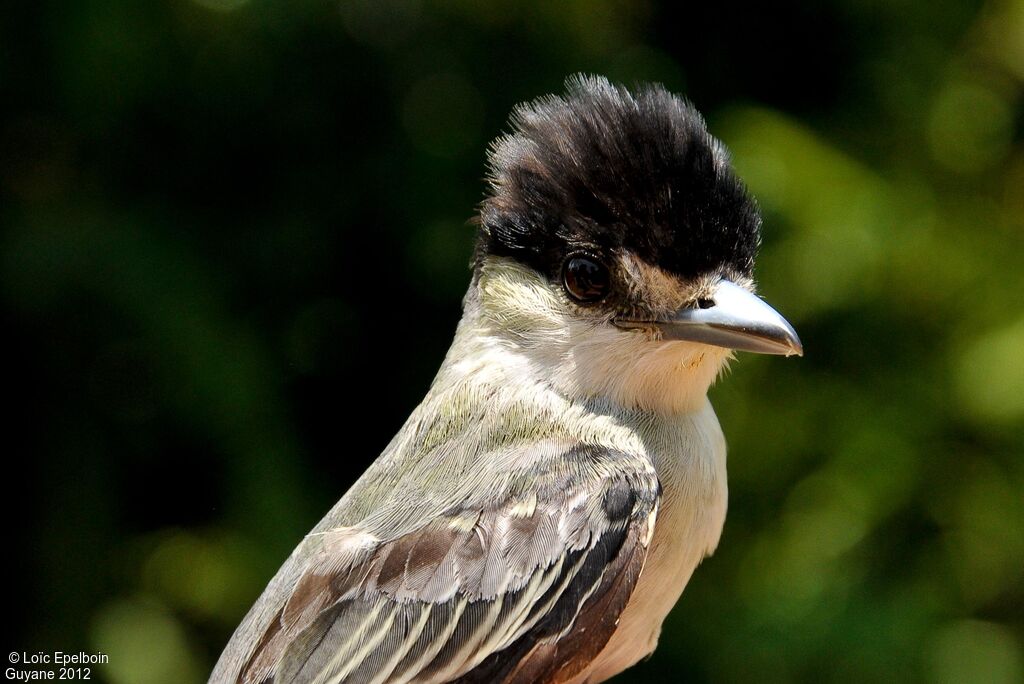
[542, 509]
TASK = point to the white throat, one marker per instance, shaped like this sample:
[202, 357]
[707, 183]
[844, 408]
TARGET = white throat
[514, 318]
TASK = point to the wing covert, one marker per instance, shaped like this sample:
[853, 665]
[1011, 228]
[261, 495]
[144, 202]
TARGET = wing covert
[480, 593]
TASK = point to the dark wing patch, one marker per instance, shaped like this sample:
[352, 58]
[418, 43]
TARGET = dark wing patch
[527, 591]
[570, 636]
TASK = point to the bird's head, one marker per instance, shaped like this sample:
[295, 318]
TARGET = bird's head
[616, 248]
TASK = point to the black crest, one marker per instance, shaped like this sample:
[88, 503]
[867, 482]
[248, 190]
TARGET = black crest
[603, 169]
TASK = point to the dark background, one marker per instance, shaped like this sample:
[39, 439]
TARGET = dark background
[234, 243]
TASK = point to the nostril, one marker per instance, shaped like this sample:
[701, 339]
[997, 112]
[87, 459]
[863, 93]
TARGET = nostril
[705, 303]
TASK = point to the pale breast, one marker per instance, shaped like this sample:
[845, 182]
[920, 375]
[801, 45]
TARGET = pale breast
[689, 455]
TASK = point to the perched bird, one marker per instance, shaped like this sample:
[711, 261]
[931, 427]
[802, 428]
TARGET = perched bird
[540, 512]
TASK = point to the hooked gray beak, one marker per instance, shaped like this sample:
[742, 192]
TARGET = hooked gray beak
[736, 319]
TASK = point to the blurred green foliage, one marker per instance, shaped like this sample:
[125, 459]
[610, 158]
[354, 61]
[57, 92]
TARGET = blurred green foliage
[219, 215]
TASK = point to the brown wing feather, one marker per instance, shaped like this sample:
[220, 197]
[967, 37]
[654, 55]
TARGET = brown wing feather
[557, 649]
[498, 594]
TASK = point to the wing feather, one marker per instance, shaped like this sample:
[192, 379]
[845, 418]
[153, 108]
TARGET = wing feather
[526, 589]
[379, 668]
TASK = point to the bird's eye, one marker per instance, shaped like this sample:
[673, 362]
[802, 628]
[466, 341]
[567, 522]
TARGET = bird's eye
[585, 280]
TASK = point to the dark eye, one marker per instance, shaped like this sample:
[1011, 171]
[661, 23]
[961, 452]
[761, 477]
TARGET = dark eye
[585, 280]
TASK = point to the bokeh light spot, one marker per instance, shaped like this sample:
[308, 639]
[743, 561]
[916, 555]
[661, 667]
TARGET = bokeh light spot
[145, 643]
[975, 651]
[208, 576]
[970, 126]
[990, 375]
[983, 541]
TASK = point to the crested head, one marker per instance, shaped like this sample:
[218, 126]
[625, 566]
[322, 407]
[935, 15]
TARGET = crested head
[616, 251]
[606, 171]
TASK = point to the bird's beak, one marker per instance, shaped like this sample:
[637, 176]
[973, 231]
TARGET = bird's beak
[736, 319]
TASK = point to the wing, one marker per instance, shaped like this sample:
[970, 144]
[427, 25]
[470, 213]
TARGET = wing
[528, 589]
